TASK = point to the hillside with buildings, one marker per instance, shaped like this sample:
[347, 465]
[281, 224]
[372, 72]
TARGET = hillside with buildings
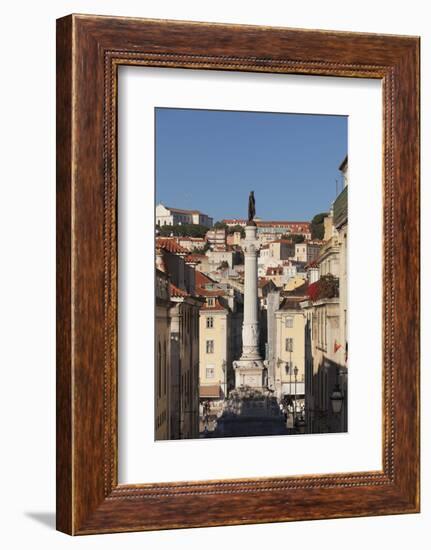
[206, 288]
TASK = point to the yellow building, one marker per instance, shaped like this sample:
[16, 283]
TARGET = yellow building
[220, 323]
[281, 249]
[214, 356]
[290, 350]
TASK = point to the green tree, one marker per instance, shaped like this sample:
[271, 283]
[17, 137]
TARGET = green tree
[296, 239]
[235, 229]
[317, 226]
[198, 250]
[183, 230]
[220, 225]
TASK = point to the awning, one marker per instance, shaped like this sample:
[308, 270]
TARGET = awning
[289, 389]
[210, 392]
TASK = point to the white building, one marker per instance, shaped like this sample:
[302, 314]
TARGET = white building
[307, 252]
[216, 237]
[270, 230]
[220, 256]
[165, 215]
[191, 243]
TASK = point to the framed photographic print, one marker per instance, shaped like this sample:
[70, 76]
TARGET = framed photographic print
[237, 274]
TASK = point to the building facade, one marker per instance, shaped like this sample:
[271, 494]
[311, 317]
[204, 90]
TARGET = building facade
[162, 380]
[220, 326]
[191, 243]
[307, 252]
[177, 391]
[270, 230]
[290, 352]
[166, 215]
[326, 333]
[216, 237]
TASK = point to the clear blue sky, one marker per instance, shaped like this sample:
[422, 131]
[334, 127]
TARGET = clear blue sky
[211, 160]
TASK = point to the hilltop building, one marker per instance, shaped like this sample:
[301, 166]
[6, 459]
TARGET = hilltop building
[271, 230]
[166, 215]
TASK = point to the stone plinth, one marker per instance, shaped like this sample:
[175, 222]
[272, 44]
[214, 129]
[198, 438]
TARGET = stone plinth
[249, 373]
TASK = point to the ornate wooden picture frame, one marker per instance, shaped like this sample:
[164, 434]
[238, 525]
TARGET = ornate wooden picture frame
[89, 51]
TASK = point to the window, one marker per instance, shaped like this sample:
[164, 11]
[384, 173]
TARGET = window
[289, 344]
[289, 322]
[210, 322]
[210, 302]
[210, 346]
[210, 372]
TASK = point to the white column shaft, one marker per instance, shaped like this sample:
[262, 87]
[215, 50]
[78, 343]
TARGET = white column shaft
[250, 331]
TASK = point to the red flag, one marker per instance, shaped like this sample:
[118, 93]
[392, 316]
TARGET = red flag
[336, 346]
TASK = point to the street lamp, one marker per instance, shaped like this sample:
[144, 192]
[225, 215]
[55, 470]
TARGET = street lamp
[223, 366]
[336, 399]
[295, 372]
[290, 374]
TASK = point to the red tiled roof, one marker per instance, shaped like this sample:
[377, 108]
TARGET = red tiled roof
[194, 258]
[170, 245]
[189, 239]
[281, 241]
[201, 291]
[216, 307]
[201, 279]
[260, 223]
[177, 292]
[303, 225]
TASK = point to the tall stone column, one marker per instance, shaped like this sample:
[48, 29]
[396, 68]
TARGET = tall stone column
[249, 369]
[250, 328]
